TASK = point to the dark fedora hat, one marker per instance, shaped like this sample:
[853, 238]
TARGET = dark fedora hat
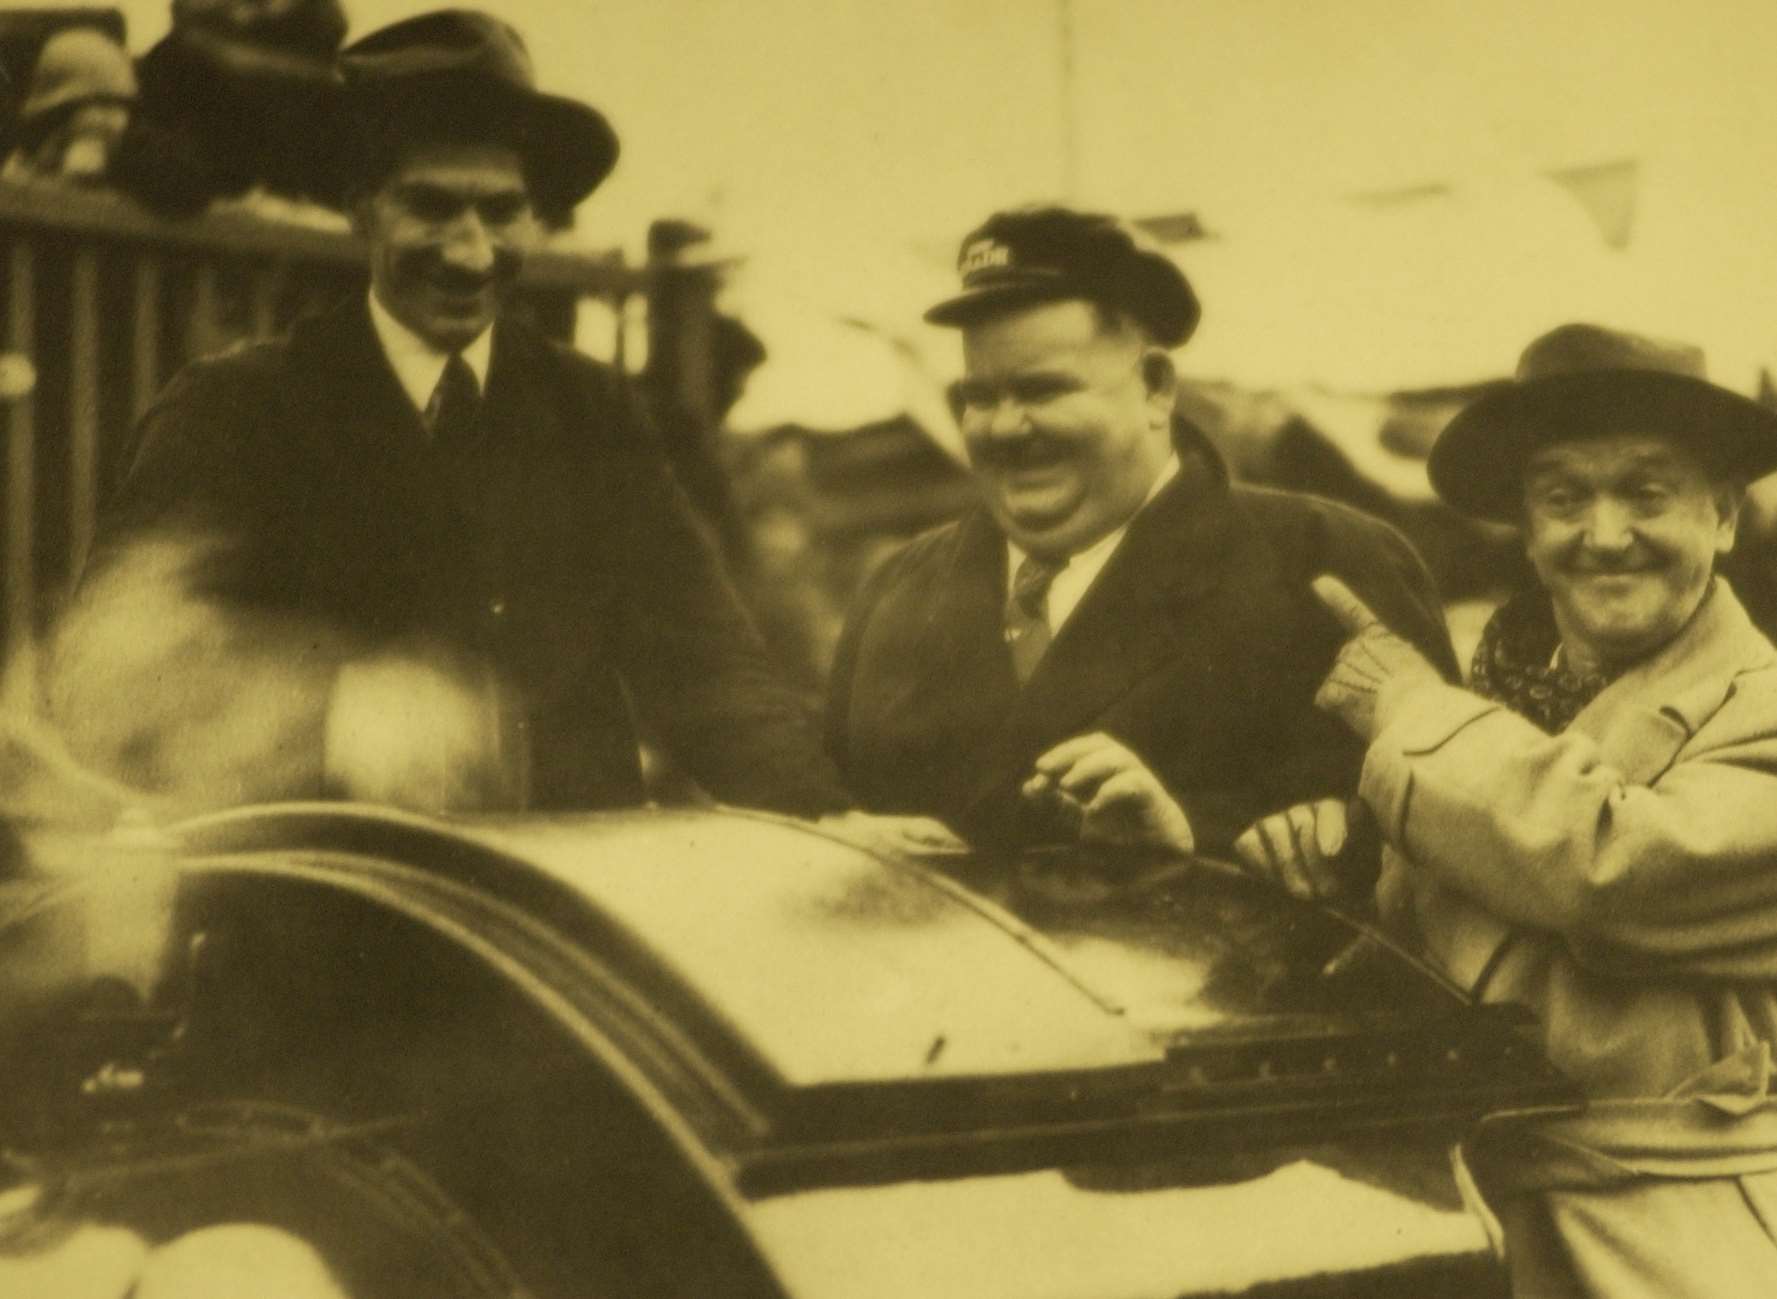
[1036, 254]
[465, 66]
[1582, 381]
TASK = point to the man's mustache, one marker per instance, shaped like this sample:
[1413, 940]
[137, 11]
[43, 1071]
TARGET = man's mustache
[432, 268]
[1032, 450]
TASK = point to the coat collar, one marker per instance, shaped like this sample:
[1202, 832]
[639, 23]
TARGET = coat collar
[1135, 616]
[343, 369]
[355, 383]
[1643, 717]
[418, 364]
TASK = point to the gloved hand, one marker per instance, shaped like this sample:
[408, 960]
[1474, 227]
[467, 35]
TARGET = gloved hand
[1372, 667]
[1303, 849]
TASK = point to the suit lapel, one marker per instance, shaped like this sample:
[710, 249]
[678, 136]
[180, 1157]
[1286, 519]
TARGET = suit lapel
[522, 399]
[1646, 716]
[932, 678]
[960, 657]
[392, 526]
[1135, 616]
[350, 391]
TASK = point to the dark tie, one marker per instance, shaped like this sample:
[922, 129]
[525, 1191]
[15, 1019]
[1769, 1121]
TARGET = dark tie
[1027, 613]
[454, 414]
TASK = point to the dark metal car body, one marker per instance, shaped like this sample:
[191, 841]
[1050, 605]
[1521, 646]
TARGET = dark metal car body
[718, 1053]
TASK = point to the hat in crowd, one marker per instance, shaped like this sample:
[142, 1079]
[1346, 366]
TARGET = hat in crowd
[462, 64]
[299, 28]
[1036, 254]
[1581, 381]
[78, 65]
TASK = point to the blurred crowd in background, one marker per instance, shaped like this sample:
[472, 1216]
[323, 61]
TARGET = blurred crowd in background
[225, 106]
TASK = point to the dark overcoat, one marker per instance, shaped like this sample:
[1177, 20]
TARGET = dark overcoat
[558, 550]
[1200, 646]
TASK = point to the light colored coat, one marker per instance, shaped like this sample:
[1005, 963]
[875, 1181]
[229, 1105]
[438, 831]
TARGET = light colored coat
[1621, 880]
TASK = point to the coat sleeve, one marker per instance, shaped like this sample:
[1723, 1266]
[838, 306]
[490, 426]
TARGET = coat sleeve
[1320, 757]
[841, 678]
[1676, 876]
[171, 669]
[696, 666]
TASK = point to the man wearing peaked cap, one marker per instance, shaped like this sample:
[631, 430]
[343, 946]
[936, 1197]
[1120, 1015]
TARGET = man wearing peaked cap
[1117, 642]
[1031, 254]
[1590, 828]
[415, 552]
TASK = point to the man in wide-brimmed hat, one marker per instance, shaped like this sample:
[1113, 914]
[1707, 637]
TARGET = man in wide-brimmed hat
[1117, 643]
[1591, 827]
[236, 99]
[415, 552]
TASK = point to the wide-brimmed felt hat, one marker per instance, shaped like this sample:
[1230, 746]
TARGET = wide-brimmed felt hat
[462, 63]
[1036, 254]
[1582, 381]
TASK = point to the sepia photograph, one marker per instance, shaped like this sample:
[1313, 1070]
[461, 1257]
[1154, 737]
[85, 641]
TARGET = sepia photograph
[827, 649]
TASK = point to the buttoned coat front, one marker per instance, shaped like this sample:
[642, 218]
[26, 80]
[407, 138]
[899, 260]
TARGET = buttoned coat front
[557, 551]
[1199, 645]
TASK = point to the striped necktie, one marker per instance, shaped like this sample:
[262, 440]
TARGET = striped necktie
[1027, 613]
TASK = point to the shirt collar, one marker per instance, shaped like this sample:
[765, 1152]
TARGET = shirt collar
[416, 363]
[1093, 556]
[1083, 566]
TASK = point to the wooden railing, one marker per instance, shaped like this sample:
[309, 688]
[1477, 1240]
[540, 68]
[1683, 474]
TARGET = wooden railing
[104, 301]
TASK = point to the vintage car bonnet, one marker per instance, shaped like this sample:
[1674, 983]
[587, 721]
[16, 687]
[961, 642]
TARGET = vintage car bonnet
[733, 1040]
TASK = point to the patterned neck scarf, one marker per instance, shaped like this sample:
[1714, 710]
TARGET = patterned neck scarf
[1513, 664]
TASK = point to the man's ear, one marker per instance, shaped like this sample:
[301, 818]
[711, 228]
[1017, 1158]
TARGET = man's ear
[1729, 497]
[1160, 378]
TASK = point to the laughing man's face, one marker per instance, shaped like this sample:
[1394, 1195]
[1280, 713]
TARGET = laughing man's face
[1623, 531]
[1067, 421]
[448, 230]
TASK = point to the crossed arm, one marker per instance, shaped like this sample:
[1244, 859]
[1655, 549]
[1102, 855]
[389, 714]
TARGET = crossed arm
[1677, 875]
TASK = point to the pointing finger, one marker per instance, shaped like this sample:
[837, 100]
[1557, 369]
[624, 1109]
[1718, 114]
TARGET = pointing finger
[1353, 614]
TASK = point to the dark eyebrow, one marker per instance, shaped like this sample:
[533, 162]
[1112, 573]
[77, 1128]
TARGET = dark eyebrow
[1027, 379]
[427, 192]
[1641, 462]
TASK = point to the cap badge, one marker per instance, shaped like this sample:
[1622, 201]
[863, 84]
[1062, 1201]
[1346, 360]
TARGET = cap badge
[983, 255]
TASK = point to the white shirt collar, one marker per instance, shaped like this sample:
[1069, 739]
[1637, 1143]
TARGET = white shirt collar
[1083, 567]
[416, 363]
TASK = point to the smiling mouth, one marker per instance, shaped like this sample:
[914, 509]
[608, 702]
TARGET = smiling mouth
[1023, 458]
[460, 293]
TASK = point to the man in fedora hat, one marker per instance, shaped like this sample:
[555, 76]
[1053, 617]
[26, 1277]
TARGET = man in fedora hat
[1591, 827]
[1117, 643]
[415, 552]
